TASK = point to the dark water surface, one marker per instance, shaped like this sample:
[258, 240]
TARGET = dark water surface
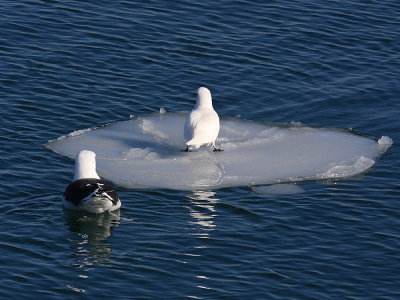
[70, 65]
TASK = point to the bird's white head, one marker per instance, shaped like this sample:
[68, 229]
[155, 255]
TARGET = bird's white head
[85, 165]
[203, 97]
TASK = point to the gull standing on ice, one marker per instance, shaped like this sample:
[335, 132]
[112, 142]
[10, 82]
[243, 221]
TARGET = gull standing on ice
[87, 191]
[202, 122]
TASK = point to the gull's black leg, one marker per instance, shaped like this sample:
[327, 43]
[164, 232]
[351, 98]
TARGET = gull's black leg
[217, 150]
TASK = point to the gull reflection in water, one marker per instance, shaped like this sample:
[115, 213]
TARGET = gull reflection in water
[203, 212]
[91, 247]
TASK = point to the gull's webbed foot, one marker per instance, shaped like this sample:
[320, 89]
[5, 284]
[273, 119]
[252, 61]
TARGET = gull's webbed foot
[217, 150]
[186, 150]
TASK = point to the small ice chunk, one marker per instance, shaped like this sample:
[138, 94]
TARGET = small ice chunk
[385, 142]
[72, 134]
[79, 132]
[341, 171]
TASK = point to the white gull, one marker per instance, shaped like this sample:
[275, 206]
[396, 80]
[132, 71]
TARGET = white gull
[202, 122]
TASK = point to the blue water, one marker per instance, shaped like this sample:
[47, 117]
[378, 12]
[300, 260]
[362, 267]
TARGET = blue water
[70, 65]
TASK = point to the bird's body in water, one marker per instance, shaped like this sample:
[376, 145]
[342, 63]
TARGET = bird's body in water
[87, 191]
[202, 122]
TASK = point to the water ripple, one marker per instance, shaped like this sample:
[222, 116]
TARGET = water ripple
[73, 65]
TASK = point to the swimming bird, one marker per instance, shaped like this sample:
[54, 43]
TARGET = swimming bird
[87, 191]
[202, 122]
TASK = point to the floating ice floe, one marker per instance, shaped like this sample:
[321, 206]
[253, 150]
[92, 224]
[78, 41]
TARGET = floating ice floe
[145, 152]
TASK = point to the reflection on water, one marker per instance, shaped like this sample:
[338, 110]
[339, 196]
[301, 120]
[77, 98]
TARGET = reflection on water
[91, 247]
[202, 211]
